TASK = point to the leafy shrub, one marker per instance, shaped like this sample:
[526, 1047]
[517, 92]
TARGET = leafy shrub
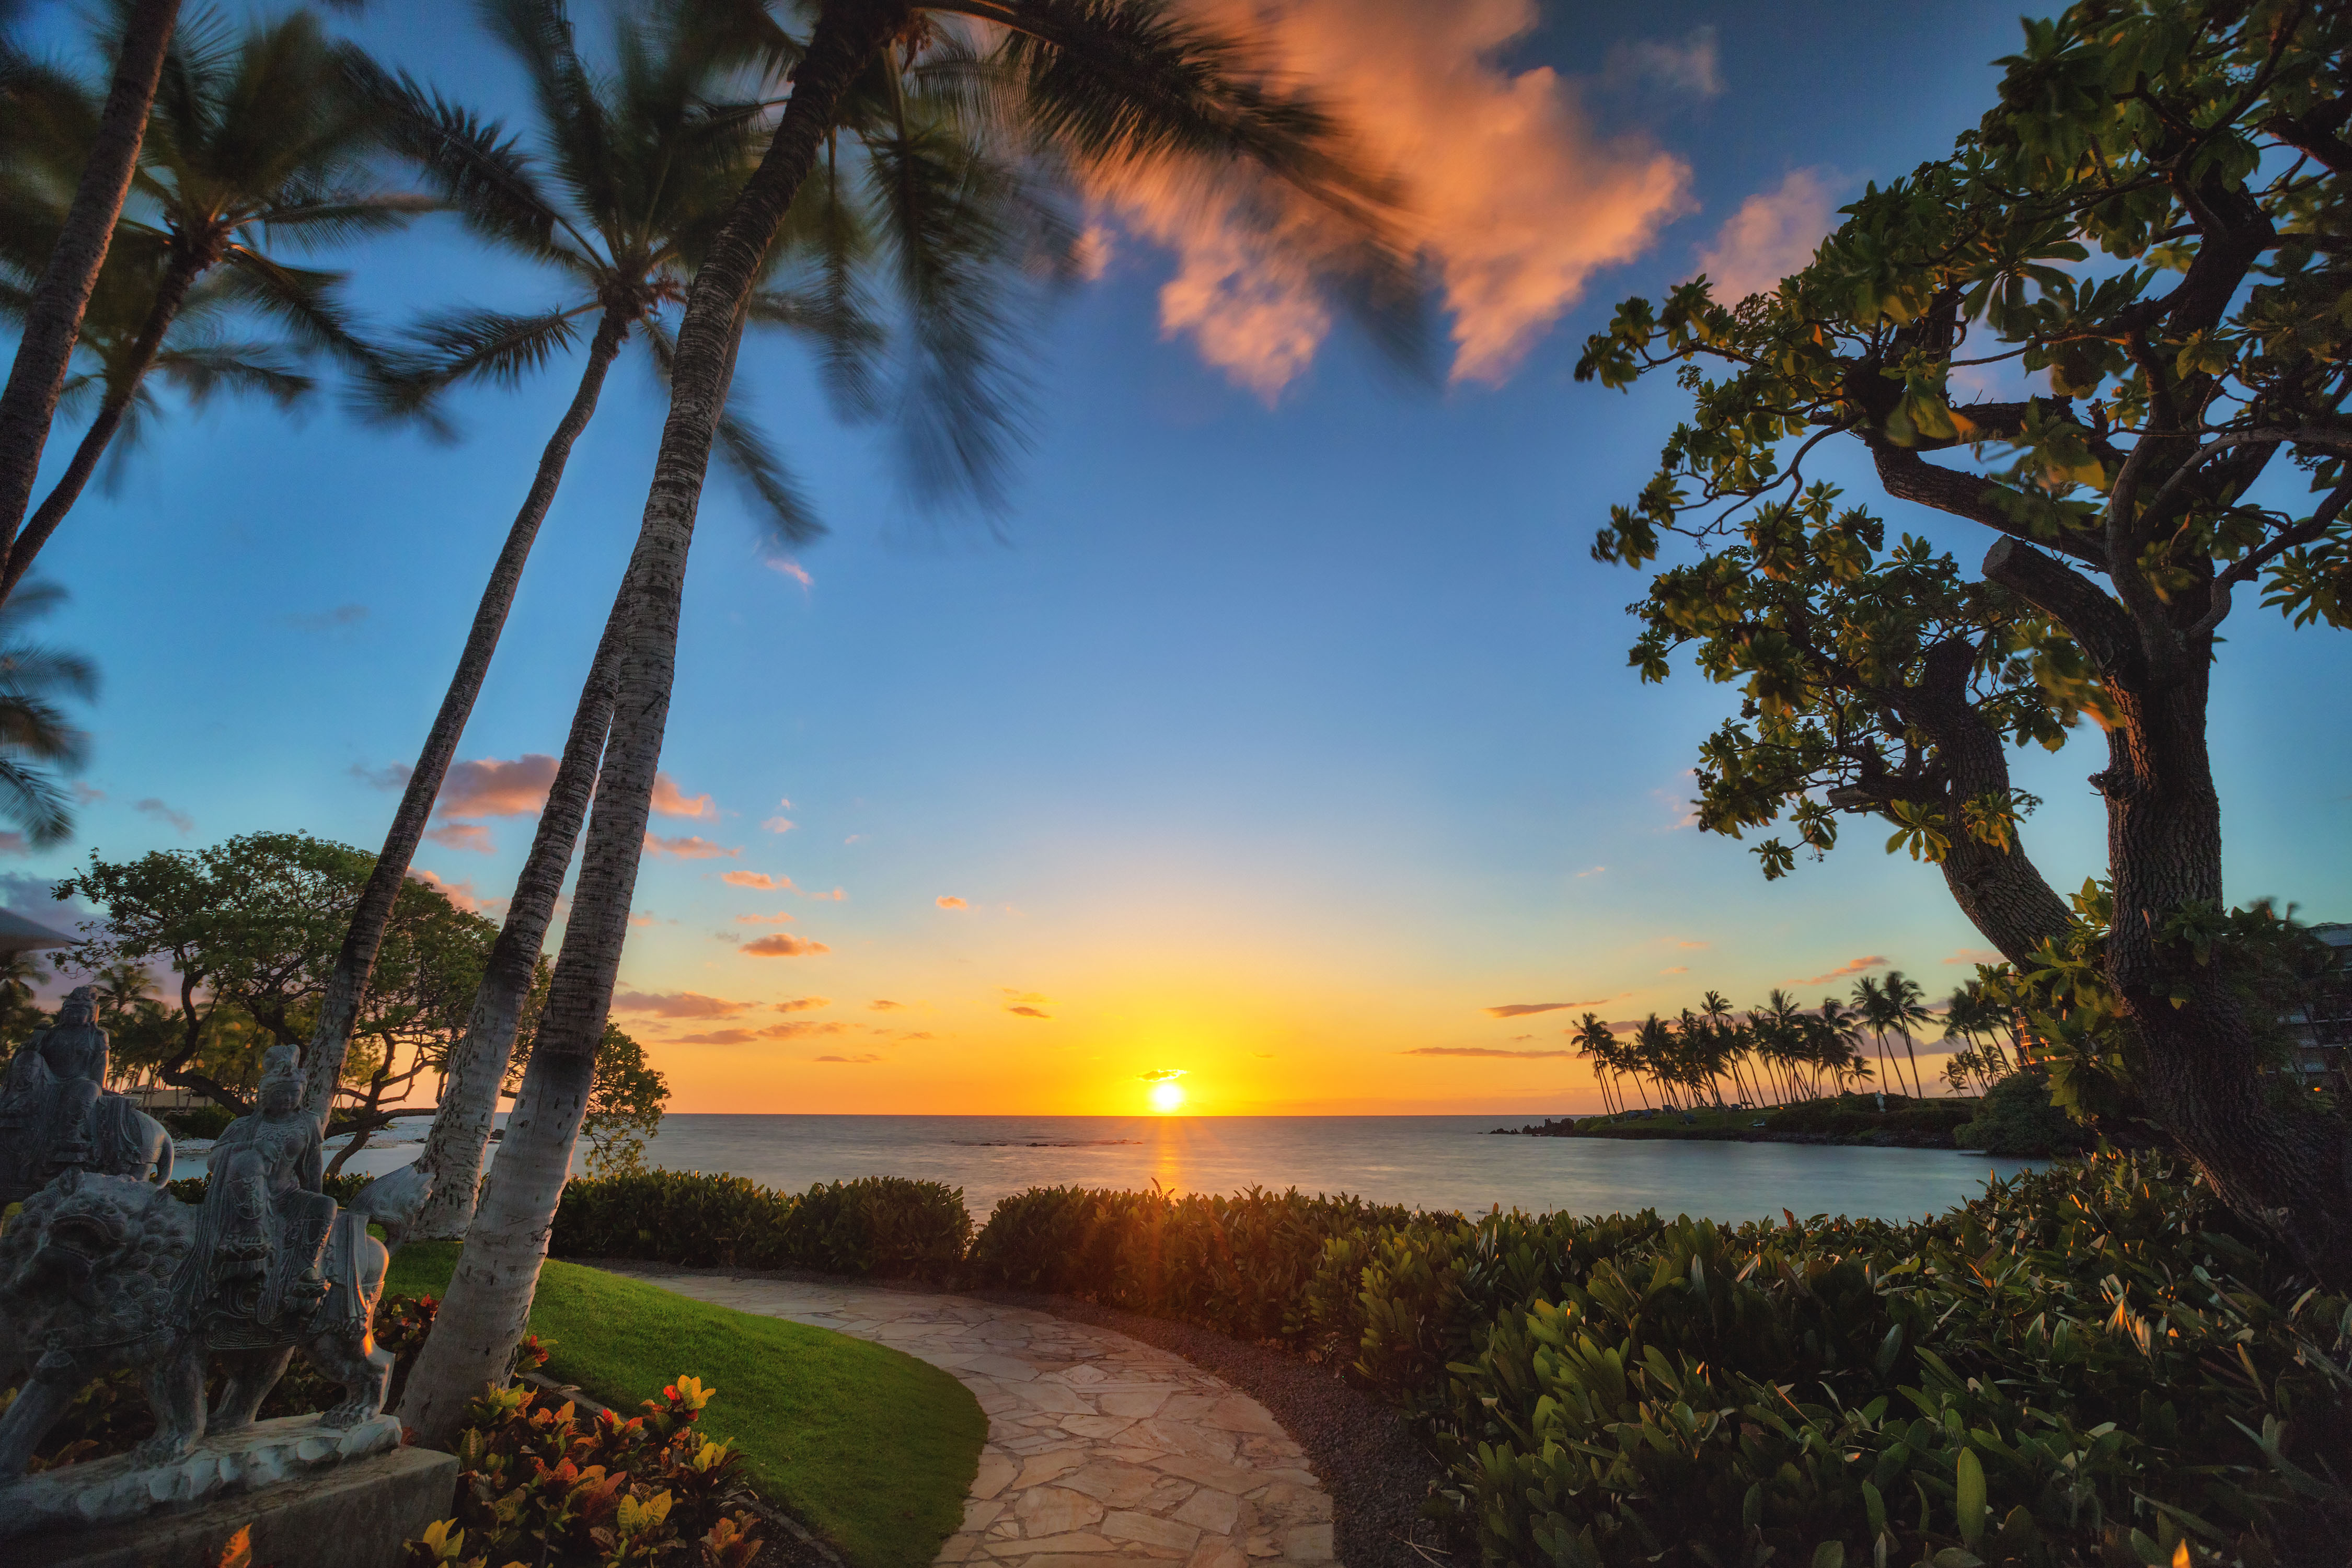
[1855, 1118]
[2089, 1365]
[1241, 1264]
[884, 1225]
[197, 1122]
[2018, 1118]
[537, 1486]
[342, 1187]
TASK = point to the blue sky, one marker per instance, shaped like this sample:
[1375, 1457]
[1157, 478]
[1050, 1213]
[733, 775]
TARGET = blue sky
[1261, 739]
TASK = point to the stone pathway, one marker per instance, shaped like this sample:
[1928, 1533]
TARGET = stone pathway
[1100, 1450]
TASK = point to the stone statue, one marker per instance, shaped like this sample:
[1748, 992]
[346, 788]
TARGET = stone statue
[98, 1272]
[56, 1114]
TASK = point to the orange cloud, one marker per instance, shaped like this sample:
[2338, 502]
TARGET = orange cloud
[469, 835]
[692, 846]
[756, 879]
[488, 787]
[881, 1006]
[1975, 955]
[778, 918]
[1515, 197]
[802, 1004]
[782, 946]
[676, 1004]
[1772, 234]
[1677, 968]
[1852, 966]
[670, 801]
[1030, 1011]
[461, 894]
[857, 1060]
[792, 569]
[836, 895]
[778, 824]
[947, 902]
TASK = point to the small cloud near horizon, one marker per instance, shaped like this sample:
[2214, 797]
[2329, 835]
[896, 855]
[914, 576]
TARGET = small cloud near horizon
[778, 918]
[1852, 966]
[460, 894]
[688, 847]
[342, 615]
[782, 946]
[676, 1004]
[1027, 1012]
[949, 902]
[180, 820]
[670, 801]
[1165, 1074]
[760, 879]
[1975, 955]
[861, 1059]
[802, 1004]
[1480, 1051]
[884, 1004]
[1591, 871]
[1677, 968]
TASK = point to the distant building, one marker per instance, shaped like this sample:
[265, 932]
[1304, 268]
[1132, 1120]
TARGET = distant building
[2321, 1029]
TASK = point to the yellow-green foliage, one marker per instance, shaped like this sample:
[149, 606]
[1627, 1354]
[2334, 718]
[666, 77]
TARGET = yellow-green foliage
[2090, 1365]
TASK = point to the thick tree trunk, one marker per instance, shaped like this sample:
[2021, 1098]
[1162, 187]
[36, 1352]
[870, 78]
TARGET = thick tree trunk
[2285, 1169]
[53, 314]
[323, 1062]
[488, 1304]
[188, 263]
[478, 1063]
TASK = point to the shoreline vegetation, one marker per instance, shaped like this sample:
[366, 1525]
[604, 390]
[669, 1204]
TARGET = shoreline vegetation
[2014, 1119]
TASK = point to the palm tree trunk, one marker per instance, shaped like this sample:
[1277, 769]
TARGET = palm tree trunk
[323, 1063]
[488, 1303]
[53, 313]
[188, 263]
[1907, 1051]
[478, 1063]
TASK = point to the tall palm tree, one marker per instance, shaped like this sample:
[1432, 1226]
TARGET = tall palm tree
[1596, 1045]
[1104, 83]
[62, 285]
[1906, 1010]
[255, 138]
[951, 229]
[632, 175]
[36, 739]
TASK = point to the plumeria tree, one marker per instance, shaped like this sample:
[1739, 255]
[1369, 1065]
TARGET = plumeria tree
[2145, 238]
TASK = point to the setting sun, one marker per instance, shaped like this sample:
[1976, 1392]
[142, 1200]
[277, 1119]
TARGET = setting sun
[1167, 1096]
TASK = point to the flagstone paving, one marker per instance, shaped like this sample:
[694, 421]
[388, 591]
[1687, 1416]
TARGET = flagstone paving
[1102, 1450]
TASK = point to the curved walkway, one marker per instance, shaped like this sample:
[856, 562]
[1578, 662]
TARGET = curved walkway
[1100, 1450]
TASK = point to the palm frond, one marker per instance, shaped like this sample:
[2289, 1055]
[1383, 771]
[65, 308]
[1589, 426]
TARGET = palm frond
[303, 298]
[572, 113]
[481, 172]
[451, 347]
[35, 734]
[313, 218]
[745, 451]
[205, 370]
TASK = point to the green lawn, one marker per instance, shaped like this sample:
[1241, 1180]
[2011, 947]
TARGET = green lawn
[870, 1448]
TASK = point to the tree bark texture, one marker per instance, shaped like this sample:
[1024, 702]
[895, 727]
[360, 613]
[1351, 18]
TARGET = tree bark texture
[323, 1063]
[2285, 1169]
[53, 315]
[488, 1303]
[478, 1063]
[188, 263]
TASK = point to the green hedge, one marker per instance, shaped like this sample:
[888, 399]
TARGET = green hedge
[2084, 1366]
[2017, 1118]
[883, 1225]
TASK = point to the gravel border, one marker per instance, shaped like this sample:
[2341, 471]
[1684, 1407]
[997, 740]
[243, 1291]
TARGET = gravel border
[1362, 1451]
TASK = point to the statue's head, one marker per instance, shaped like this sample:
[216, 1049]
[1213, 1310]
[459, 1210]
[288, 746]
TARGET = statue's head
[282, 1080]
[80, 1007]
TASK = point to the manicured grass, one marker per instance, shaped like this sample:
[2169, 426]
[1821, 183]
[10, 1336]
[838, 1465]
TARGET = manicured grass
[870, 1446]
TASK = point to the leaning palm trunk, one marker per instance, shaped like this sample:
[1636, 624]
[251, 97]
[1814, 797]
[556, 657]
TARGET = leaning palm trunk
[53, 313]
[489, 1303]
[323, 1063]
[170, 293]
[477, 1062]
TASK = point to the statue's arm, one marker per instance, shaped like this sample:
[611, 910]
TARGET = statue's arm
[311, 1171]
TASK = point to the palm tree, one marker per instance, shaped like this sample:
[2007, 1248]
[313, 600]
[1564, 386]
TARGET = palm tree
[634, 174]
[1106, 83]
[34, 738]
[1906, 1009]
[951, 228]
[61, 289]
[253, 139]
[1596, 1045]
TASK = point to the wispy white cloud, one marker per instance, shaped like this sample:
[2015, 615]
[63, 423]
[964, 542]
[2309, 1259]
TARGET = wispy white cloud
[1850, 967]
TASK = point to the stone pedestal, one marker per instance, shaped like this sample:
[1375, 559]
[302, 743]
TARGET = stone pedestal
[354, 1514]
[103, 1491]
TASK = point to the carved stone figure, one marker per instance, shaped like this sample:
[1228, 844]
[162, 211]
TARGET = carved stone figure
[98, 1272]
[56, 1114]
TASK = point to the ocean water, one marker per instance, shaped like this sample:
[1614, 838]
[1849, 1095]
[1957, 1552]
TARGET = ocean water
[1426, 1161]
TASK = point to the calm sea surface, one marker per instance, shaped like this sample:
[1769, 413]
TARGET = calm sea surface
[1427, 1162]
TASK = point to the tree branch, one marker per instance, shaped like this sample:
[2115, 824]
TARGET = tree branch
[2091, 616]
